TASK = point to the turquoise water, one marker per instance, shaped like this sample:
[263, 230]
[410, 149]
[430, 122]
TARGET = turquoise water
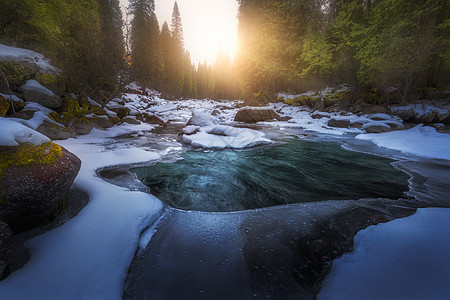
[294, 172]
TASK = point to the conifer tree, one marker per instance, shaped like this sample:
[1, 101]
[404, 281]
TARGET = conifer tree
[111, 24]
[145, 43]
[177, 53]
[177, 27]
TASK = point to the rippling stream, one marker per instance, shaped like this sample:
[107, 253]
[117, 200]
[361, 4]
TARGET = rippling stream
[293, 172]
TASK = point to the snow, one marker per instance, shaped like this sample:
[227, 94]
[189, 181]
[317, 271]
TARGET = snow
[13, 97]
[222, 136]
[88, 257]
[421, 140]
[40, 115]
[93, 102]
[14, 133]
[202, 119]
[36, 86]
[18, 54]
[403, 259]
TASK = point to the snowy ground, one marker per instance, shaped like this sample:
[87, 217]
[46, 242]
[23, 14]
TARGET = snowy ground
[88, 257]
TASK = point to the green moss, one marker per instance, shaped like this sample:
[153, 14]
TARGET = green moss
[48, 79]
[28, 154]
[15, 73]
[73, 109]
[4, 106]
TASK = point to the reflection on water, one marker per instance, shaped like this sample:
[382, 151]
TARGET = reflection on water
[297, 171]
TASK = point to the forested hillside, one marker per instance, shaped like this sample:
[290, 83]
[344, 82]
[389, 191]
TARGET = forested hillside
[390, 50]
[376, 45]
[83, 38]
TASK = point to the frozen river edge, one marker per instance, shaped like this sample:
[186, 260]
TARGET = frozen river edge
[280, 252]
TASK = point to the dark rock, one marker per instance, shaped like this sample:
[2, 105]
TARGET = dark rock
[405, 113]
[101, 121]
[154, 119]
[55, 132]
[34, 182]
[253, 115]
[424, 118]
[340, 123]
[320, 115]
[215, 112]
[377, 128]
[121, 112]
[5, 248]
[24, 114]
[33, 91]
[131, 120]
[53, 82]
[81, 126]
[357, 124]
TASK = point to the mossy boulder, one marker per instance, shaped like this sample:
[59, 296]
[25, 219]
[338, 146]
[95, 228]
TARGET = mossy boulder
[81, 125]
[16, 73]
[54, 82]
[101, 121]
[34, 181]
[4, 106]
[33, 91]
[55, 132]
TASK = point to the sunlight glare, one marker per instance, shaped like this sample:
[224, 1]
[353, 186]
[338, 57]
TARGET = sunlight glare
[208, 25]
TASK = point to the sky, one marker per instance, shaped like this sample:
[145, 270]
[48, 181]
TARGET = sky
[208, 25]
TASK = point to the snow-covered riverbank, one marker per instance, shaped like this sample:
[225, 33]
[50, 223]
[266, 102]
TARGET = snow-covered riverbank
[88, 257]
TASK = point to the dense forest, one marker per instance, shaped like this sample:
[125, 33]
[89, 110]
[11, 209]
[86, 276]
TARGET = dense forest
[375, 45]
[381, 47]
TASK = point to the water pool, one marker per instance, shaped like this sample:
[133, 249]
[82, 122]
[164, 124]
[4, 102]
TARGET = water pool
[293, 172]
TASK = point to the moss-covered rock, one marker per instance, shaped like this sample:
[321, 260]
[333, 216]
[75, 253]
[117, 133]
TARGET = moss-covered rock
[54, 131]
[34, 181]
[16, 73]
[81, 125]
[54, 82]
[4, 106]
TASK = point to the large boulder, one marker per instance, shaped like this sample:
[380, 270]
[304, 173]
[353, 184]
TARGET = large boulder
[101, 121]
[33, 91]
[34, 181]
[54, 131]
[81, 125]
[53, 82]
[339, 122]
[256, 114]
[5, 248]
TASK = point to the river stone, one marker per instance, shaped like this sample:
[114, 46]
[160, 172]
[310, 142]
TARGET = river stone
[34, 183]
[121, 111]
[256, 114]
[340, 123]
[33, 91]
[81, 126]
[5, 248]
[101, 121]
[131, 120]
[55, 132]
[377, 128]
[154, 119]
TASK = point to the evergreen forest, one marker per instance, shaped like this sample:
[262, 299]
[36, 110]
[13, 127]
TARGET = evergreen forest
[389, 50]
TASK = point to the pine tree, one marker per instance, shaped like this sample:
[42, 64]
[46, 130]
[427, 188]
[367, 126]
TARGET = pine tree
[146, 58]
[111, 24]
[177, 27]
[177, 54]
